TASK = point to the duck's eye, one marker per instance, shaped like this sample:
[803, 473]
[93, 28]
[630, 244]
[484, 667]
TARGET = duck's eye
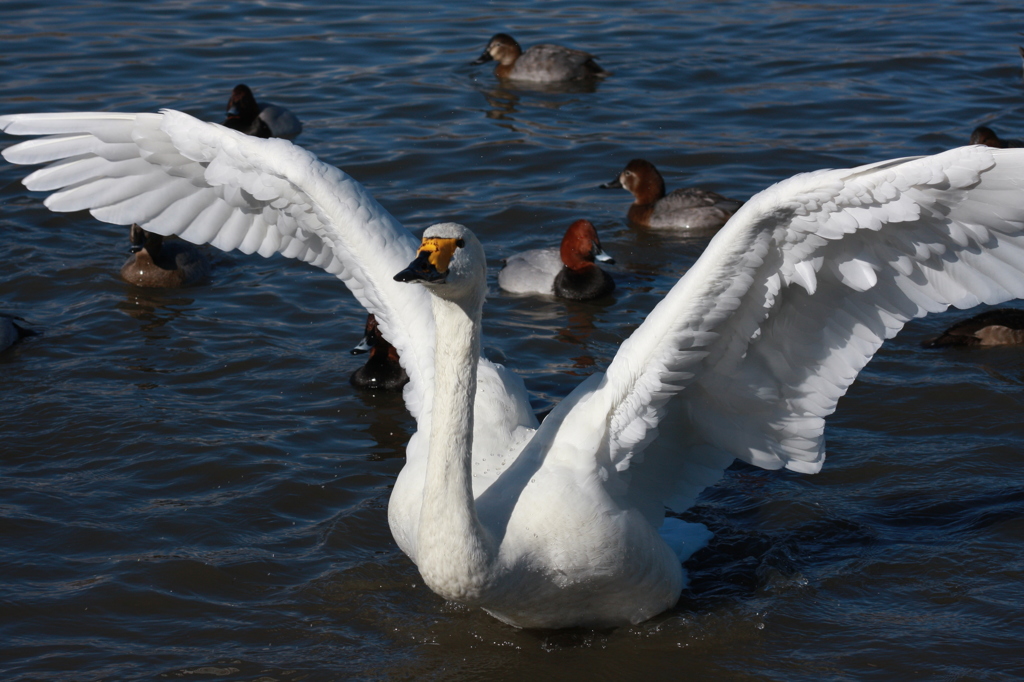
[459, 243]
[627, 173]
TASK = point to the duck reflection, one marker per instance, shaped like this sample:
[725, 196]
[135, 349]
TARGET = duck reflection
[505, 97]
[386, 423]
[587, 345]
[154, 307]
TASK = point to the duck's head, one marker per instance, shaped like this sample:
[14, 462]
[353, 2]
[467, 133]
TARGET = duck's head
[140, 239]
[641, 179]
[581, 246]
[450, 263]
[242, 103]
[371, 336]
[502, 48]
[986, 136]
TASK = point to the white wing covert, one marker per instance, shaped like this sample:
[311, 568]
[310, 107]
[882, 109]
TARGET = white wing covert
[174, 174]
[753, 347]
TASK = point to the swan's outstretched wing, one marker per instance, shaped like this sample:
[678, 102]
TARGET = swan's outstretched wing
[752, 348]
[174, 174]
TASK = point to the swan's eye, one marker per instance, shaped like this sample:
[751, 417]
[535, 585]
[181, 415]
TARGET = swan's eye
[459, 243]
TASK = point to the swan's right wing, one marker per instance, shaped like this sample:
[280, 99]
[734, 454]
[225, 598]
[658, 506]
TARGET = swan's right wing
[174, 174]
[752, 348]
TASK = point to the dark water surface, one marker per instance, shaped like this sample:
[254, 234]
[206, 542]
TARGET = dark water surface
[189, 488]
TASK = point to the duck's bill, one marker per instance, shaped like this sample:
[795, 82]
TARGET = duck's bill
[362, 347]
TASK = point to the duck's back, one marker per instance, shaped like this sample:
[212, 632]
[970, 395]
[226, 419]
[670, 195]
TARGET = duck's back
[546, 62]
[379, 373]
[693, 208]
[531, 272]
[280, 121]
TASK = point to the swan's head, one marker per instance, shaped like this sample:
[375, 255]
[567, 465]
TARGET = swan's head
[450, 262]
[243, 102]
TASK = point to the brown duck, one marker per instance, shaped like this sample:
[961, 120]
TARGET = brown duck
[157, 263]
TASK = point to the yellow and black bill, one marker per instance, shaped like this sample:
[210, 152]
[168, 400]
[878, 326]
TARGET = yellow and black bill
[431, 263]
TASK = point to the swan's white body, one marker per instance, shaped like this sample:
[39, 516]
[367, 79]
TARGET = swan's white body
[746, 355]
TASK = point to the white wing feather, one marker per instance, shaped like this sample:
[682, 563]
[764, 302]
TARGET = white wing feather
[752, 348]
[173, 174]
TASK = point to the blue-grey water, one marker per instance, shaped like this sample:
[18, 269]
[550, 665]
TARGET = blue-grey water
[190, 489]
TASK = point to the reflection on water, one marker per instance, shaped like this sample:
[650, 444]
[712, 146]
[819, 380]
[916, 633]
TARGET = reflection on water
[577, 332]
[386, 422]
[154, 307]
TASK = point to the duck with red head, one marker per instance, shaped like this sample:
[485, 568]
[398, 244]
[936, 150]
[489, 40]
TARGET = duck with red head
[155, 263]
[544, 63]
[689, 208]
[382, 371]
[245, 115]
[986, 136]
[567, 272]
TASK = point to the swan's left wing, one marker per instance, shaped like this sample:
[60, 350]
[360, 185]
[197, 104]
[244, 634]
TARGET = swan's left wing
[752, 348]
[174, 174]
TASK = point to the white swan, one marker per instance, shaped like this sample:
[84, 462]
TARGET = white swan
[744, 357]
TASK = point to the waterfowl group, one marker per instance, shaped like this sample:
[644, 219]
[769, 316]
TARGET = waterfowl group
[540, 64]
[570, 271]
[246, 116]
[563, 523]
[690, 208]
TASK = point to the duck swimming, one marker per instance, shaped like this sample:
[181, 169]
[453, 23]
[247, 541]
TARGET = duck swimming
[986, 136]
[1000, 327]
[567, 272]
[246, 116]
[688, 209]
[382, 371]
[544, 63]
[156, 263]
[564, 523]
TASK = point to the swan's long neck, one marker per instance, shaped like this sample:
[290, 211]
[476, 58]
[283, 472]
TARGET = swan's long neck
[454, 552]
